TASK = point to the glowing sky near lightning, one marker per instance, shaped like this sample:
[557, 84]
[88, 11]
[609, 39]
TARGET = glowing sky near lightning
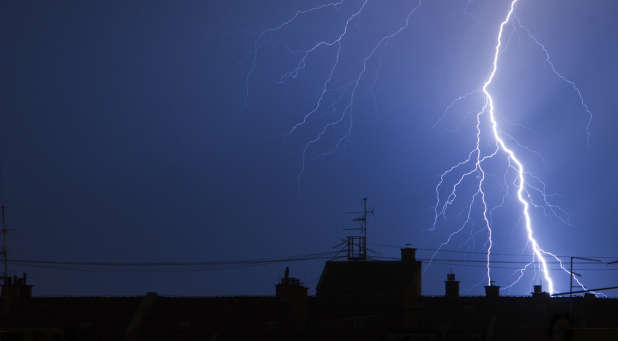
[538, 252]
[522, 190]
[179, 117]
[486, 123]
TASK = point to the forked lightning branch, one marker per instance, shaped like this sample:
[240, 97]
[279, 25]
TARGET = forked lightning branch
[486, 124]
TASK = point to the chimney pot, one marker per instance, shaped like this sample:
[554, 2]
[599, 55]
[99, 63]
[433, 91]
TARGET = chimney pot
[408, 254]
[538, 289]
[492, 291]
[451, 286]
[538, 292]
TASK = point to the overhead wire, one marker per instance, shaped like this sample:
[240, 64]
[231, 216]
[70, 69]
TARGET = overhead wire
[483, 253]
[198, 266]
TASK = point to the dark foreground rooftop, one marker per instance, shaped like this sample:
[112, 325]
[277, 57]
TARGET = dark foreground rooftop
[360, 300]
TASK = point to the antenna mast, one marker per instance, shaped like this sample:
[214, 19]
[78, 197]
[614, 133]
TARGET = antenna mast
[357, 245]
[3, 252]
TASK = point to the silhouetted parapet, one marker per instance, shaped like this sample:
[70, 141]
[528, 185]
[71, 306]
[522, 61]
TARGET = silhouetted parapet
[451, 286]
[15, 292]
[16, 288]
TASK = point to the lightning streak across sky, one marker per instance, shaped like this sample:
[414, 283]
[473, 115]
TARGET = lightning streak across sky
[279, 27]
[562, 77]
[529, 190]
[325, 89]
[512, 158]
[350, 102]
[522, 186]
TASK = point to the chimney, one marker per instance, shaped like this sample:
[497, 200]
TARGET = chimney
[451, 286]
[538, 289]
[408, 255]
[492, 290]
[538, 292]
[290, 287]
[293, 294]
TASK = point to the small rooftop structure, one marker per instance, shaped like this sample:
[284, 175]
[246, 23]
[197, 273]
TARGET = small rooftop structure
[539, 293]
[290, 287]
[451, 286]
[16, 290]
[492, 290]
[379, 282]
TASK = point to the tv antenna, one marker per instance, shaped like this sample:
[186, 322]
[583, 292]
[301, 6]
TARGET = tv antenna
[357, 244]
[4, 230]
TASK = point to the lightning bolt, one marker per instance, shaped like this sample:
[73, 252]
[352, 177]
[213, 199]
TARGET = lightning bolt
[260, 36]
[521, 272]
[475, 158]
[345, 112]
[529, 190]
[452, 104]
[562, 77]
[538, 252]
[325, 86]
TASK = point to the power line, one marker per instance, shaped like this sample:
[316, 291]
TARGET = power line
[479, 252]
[483, 261]
[140, 270]
[315, 256]
[199, 266]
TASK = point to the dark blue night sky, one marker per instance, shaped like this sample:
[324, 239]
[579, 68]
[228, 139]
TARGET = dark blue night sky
[128, 136]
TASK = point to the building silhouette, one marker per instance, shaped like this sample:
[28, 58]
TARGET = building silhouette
[355, 300]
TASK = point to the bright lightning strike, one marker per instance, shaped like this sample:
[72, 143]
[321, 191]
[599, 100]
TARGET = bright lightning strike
[530, 190]
[476, 159]
[512, 157]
